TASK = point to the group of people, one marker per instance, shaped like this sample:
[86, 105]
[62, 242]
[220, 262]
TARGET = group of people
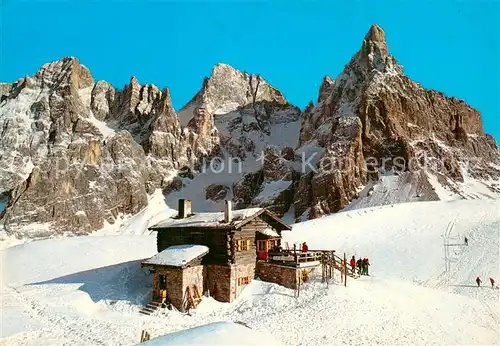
[361, 264]
[478, 282]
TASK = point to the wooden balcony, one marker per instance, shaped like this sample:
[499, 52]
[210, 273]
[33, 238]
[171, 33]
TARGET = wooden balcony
[296, 258]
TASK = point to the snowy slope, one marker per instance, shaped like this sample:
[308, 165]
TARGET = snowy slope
[218, 333]
[66, 287]
[88, 290]
[391, 189]
[397, 237]
[156, 211]
[470, 188]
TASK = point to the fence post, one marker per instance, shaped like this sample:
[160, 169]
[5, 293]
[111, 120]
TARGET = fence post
[341, 268]
[345, 271]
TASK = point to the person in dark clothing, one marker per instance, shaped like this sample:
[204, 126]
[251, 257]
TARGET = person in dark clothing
[492, 281]
[353, 264]
[359, 264]
[478, 281]
[366, 263]
[466, 241]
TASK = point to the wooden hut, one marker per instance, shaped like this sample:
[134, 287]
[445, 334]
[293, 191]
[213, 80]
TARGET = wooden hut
[233, 239]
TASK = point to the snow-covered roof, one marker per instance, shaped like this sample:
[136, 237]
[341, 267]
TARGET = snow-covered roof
[218, 333]
[208, 219]
[178, 255]
[269, 232]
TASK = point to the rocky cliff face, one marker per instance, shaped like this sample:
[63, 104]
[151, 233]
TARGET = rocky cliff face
[75, 153]
[374, 120]
[246, 122]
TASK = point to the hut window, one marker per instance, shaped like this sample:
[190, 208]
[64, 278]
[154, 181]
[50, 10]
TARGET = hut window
[243, 245]
[244, 281]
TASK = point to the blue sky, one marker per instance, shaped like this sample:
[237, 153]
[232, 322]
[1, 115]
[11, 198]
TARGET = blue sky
[449, 46]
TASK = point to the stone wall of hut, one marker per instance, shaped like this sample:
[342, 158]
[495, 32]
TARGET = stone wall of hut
[283, 275]
[191, 277]
[174, 284]
[218, 282]
[241, 276]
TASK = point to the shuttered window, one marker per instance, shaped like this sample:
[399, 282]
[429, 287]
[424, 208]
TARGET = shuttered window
[244, 281]
[244, 245]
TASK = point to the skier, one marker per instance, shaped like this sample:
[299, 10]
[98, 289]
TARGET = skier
[304, 247]
[492, 283]
[353, 264]
[359, 264]
[363, 266]
[466, 241]
[478, 281]
[367, 264]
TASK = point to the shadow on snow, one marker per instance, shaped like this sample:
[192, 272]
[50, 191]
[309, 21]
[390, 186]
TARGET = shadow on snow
[123, 281]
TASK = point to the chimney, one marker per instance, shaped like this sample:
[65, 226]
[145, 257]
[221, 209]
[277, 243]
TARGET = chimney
[184, 208]
[228, 212]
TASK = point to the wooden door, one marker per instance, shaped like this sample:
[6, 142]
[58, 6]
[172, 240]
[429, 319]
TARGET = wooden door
[262, 248]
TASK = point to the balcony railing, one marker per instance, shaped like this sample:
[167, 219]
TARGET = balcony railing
[295, 257]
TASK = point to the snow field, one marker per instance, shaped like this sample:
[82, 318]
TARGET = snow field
[88, 290]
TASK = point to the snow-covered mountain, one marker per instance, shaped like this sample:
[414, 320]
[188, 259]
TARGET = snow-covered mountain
[373, 121]
[77, 154]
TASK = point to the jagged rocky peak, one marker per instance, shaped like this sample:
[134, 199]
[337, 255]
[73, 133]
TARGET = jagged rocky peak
[227, 84]
[375, 44]
[374, 53]
[228, 89]
[62, 72]
[376, 34]
[137, 101]
[73, 151]
[133, 108]
[326, 88]
[374, 113]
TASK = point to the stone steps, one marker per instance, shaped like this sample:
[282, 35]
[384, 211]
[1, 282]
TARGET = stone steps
[150, 307]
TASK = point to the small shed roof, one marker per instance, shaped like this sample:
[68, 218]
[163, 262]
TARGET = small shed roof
[178, 255]
[216, 220]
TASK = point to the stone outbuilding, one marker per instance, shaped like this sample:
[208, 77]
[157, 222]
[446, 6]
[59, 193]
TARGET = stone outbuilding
[176, 270]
